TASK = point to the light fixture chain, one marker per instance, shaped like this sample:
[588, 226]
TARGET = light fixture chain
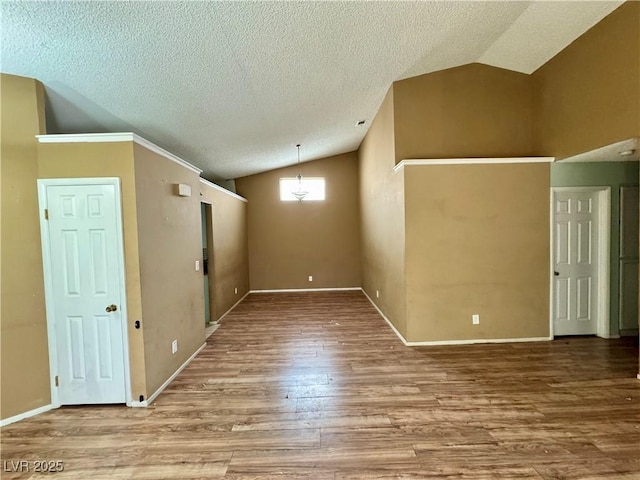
[299, 193]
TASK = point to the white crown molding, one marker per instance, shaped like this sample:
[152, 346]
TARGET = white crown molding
[116, 137]
[162, 152]
[86, 137]
[223, 190]
[412, 162]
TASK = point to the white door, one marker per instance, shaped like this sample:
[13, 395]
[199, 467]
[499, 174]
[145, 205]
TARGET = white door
[85, 301]
[575, 262]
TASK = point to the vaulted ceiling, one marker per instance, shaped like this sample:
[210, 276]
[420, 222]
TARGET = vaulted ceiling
[232, 86]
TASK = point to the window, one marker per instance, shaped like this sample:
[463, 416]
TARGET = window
[313, 185]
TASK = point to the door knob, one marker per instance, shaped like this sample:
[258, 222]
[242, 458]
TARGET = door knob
[111, 308]
[556, 273]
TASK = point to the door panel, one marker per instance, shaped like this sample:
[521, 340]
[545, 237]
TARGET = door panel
[584, 242]
[562, 243]
[73, 351]
[85, 272]
[562, 307]
[584, 298]
[97, 239]
[575, 262]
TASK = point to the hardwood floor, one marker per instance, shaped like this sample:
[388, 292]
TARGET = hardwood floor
[316, 386]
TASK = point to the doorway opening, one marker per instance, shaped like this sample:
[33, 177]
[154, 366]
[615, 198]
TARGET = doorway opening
[208, 267]
[628, 261]
[580, 264]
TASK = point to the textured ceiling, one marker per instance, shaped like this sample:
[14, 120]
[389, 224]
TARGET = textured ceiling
[232, 86]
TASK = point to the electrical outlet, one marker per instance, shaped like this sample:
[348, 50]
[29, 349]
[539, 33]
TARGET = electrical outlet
[197, 265]
[174, 346]
[475, 318]
[311, 278]
[235, 290]
[377, 293]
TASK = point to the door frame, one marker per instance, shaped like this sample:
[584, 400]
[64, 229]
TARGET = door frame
[209, 209]
[623, 260]
[43, 183]
[603, 321]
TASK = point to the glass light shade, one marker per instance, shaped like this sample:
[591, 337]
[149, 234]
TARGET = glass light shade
[299, 193]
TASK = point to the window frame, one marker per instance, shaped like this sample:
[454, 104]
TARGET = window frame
[290, 183]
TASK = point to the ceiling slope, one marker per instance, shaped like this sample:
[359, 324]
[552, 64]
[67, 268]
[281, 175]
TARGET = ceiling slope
[232, 86]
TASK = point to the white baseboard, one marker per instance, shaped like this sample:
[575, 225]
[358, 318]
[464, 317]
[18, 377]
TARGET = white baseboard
[234, 306]
[300, 290]
[149, 400]
[627, 333]
[454, 342]
[402, 339]
[23, 415]
[478, 340]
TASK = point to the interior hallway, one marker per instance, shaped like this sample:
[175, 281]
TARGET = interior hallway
[316, 385]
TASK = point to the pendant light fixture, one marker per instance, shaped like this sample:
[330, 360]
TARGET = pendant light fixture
[299, 193]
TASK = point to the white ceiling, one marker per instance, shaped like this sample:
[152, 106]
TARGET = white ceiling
[232, 86]
[624, 151]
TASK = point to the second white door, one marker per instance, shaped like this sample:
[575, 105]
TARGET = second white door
[575, 262]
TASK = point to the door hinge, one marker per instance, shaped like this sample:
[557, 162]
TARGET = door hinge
[57, 381]
[46, 214]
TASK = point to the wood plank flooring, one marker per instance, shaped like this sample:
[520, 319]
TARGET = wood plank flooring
[316, 386]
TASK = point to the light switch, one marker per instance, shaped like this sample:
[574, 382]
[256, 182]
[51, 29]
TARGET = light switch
[197, 265]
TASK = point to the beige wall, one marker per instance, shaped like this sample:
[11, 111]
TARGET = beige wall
[23, 327]
[477, 243]
[383, 221]
[588, 95]
[84, 160]
[229, 257]
[477, 236]
[288, 241]
[469, 111]
[169, 240]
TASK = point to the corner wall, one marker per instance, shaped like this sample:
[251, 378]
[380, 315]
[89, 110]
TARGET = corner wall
[477, 235]
[87, 160]
[169, 240]
[289, 241]
[382, 200]
[229, 257]
[23, 326]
